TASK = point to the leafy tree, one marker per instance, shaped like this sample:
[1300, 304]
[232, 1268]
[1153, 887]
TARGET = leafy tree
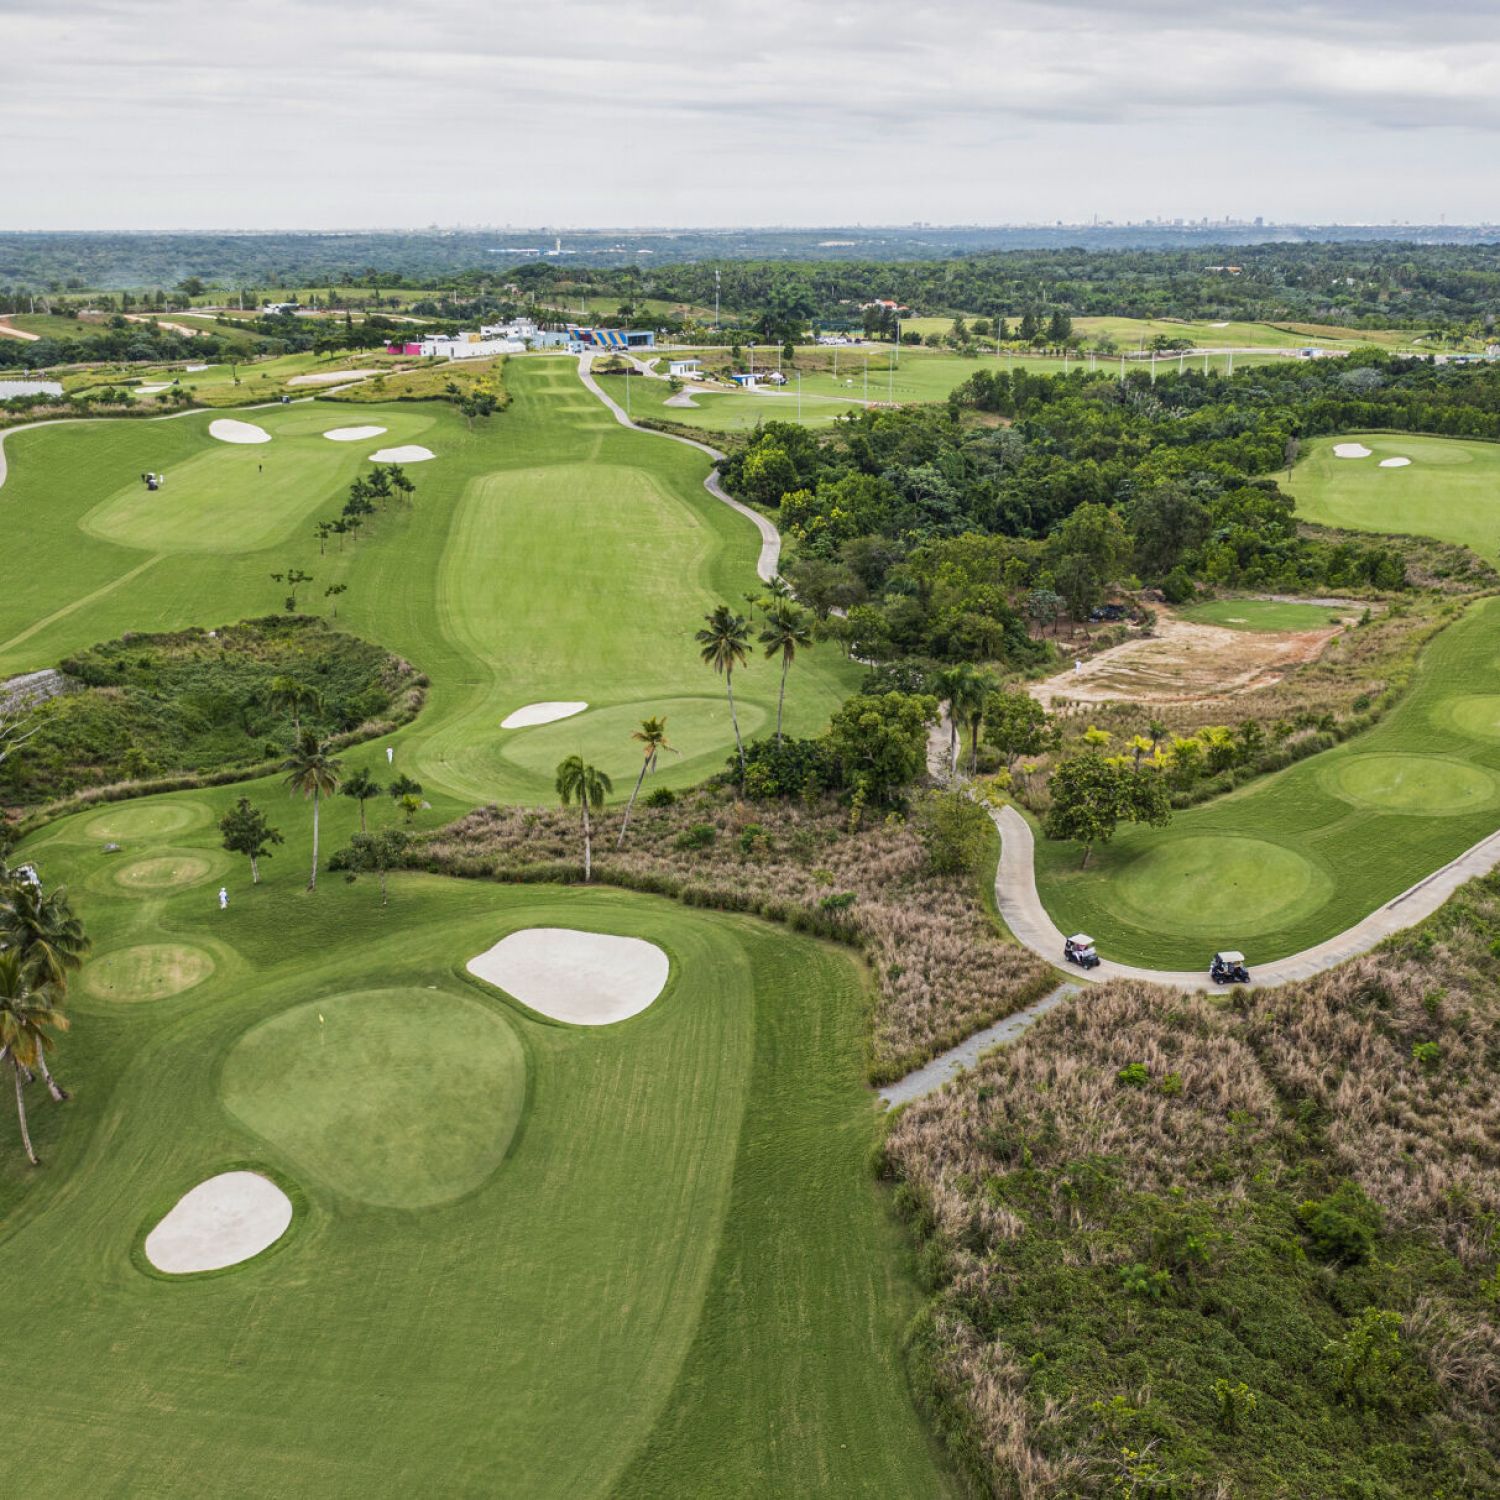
[956, 831]
[378, 852]
[652, 738]
[786, 629]
[879, 742]
[403, 786]
[246, 831]
[1091, 796]
[313, 772]
[723, 643]
[30, 1011]
[294, 578]
[581, 783]
[1016, 724]
[293, 697]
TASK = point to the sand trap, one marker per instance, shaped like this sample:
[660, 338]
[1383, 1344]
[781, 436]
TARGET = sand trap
[585, 978]
[330, 377]
[1394, 463]
[352, 434]
[412, 453]
[227, 430]
[1218, 325]
[191, 369]
[220, 1222]
[541, 713]
[1350, 450]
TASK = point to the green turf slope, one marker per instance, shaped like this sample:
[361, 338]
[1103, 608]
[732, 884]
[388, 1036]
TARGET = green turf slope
[527, 1259]
[550, 554]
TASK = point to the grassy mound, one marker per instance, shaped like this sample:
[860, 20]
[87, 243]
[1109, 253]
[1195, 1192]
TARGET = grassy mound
[149, 971]
[196, 701]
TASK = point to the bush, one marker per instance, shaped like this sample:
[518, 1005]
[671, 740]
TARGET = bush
[1178, 586]
[1342, 1227]
[699, 836]
[956, 831]
[662, 796]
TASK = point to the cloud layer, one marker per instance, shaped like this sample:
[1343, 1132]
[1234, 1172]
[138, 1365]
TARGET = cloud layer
[311, 113]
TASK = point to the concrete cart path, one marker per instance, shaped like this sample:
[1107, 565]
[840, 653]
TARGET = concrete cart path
[770, 538]
[1021, 906]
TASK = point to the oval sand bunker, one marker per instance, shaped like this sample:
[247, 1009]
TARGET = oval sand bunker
[541, 713]
[219, 1223]
[411, 453]
[1350, 450]
[227, 430]
[1394, 463]
[352, 434]
[585, 978]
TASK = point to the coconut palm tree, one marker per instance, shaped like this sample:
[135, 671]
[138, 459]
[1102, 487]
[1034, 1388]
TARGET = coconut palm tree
[362, 787]
[30, 1011]
[312, 771]
[292, 696]
[580, 782]
[978, 704]
[48, 939]
[723, 642]
[963, 689]
[652, 737]
[786, 630]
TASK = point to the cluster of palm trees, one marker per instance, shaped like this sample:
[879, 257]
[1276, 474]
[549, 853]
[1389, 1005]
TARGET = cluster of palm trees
[966, 690]
[579, 782]
[724, 644]
[41, 943]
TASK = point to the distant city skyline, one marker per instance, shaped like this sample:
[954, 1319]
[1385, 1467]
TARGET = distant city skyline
[311, 114]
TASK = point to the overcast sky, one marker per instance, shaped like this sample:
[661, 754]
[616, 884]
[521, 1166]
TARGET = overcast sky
[354, 113]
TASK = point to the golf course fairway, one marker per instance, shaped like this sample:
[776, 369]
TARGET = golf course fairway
[1298, 856]
[523, 1257]
[549, 554]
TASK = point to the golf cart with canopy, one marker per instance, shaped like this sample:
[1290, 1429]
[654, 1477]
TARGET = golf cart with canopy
[1079, 949]
[1229, 968]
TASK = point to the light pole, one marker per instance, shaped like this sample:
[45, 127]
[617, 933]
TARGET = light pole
[716, 300]
[799, 396]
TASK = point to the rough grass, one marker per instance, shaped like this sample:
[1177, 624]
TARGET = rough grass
[941, 971]
[1113, 1220]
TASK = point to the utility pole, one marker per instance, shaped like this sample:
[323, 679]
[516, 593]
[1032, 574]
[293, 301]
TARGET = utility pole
[867, 380]
[716, 299]
[799, 395]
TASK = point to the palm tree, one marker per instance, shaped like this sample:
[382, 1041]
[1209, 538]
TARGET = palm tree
[963, 689]
[652, 736]
[786, 629]
[293, 696]
[977, 706]
[312, 771]
[29, 1012]
[49, 941]
[723, 642]
[361, 786]
[590, 788]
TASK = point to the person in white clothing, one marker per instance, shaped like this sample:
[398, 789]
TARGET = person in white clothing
[223, 898]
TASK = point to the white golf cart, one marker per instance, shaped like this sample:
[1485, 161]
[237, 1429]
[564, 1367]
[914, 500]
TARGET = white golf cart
[1229, 968]
[1079, 949]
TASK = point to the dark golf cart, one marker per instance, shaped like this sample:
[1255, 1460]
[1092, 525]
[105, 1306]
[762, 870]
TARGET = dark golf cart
[1079, 949]
[1229, 968]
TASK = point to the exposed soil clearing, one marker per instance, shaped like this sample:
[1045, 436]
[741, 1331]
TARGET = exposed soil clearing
[330, 377]
[409, 453]
[227, 430]
[541, 713]
[353, 434]
[1350, 450]
[219, 1223]
[1186, 662]
[584, 978]
[1394, 463]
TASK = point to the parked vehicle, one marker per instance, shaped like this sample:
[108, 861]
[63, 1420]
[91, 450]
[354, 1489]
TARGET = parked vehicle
[1079, 949]
[1229, 968]
[1109, 612]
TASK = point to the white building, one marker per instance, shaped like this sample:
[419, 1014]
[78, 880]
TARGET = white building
[685, 369]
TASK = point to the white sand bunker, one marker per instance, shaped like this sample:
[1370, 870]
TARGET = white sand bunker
[411, 453]
[1218, 325]
[330, 377]
[227, 430]
[1350, 450]
[541, 713]
[586, 978]
[220, 1222]
[352, 434]
[191, 368]
[1394, 463]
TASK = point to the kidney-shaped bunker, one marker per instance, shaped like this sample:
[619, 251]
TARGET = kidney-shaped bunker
[586, 978]
[219, 1223]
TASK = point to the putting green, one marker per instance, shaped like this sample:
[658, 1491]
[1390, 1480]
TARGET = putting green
[164, 872]
[1226, 882]
[147, 971]
[1411, 783]
[145, 819]
[402, 1097]
[1266, 614]
[1477, 714]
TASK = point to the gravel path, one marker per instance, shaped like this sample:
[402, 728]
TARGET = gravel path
[770, 538]
[1021, 906]
[948, 1065]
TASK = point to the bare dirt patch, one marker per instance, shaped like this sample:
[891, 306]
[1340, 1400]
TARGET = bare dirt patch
[1186, 662]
